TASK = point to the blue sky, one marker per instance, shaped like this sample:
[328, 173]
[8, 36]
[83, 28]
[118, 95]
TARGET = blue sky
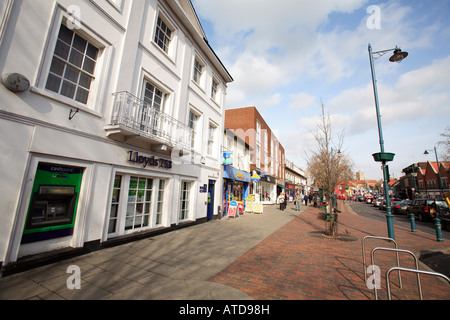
[287, 56]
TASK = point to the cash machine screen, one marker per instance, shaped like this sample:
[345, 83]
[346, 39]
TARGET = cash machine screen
[52, 205]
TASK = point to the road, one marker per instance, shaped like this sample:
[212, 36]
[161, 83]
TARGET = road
[370, 211]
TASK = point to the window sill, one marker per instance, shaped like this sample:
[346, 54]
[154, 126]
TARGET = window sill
[68, 102]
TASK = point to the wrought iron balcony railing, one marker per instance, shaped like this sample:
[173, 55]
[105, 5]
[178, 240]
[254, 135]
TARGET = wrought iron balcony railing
[134, 115]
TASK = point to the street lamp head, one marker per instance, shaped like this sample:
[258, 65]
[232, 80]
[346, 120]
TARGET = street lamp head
[398, 55]
[426, 152]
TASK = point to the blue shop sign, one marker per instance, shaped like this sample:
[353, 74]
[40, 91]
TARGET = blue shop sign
[236, 174]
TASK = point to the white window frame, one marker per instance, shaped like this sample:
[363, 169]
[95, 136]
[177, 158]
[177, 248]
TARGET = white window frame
[214, 89]
[160, 210]
[171, 48]
[160, 24]
[151, 202]
[188, 209]
[196, 133]
[163, 97]
[78, 71]
[212, 139]
[123, 202]
[198, 71]
[95, 103]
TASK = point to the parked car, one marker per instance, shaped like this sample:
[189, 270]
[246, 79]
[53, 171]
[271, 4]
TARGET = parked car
[377, 201]
[443, 213]
[426, 209]
[369, 199]
[383, 204]
[445, 220]
[400, 206]
[403, 206]
[395, 206]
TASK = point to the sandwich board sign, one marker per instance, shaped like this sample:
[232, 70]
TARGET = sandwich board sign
[233, 209]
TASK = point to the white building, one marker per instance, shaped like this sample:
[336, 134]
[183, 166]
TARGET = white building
[296, 179]
[111, 117]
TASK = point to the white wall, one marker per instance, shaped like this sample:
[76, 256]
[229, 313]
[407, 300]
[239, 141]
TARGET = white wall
[35, 124]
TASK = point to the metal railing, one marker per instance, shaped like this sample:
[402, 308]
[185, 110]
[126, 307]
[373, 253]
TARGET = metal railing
[397, 250]
[364, 256]
[414, 271]
[133, 113]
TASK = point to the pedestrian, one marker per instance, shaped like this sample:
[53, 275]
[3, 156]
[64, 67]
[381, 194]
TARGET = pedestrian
[281, 200]
[298, 200]
[306, 200]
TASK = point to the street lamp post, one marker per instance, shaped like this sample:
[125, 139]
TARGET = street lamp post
[383, 156]
[437, 221]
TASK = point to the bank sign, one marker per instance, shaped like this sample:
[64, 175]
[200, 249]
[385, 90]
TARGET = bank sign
[135, 157]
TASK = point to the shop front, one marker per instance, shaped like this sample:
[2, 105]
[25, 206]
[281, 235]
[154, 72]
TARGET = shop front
[75, 199]
[266, 188]
[290, 191]
[235, 188]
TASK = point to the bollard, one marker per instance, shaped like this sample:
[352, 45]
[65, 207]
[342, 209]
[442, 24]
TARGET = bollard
[437, 223]
[413, 222]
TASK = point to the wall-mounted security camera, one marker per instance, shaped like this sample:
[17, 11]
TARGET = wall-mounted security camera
[15, 82]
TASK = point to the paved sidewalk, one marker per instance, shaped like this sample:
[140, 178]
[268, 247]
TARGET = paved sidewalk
[175, 265]
[277, 255]
[298, 262]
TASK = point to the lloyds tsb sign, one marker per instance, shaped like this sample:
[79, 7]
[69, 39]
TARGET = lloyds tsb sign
[134, 157]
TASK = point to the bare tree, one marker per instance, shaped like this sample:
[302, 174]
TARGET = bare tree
[328, 165]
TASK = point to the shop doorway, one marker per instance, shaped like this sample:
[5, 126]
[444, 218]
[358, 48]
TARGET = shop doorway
[210, 207]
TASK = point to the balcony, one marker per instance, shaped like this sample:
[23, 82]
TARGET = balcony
[137, 123]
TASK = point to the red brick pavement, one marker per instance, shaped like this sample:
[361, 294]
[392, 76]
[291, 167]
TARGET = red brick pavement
[298, 263]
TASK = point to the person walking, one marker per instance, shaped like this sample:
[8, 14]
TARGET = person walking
[306, 200]
[281, 200]
[298, 200]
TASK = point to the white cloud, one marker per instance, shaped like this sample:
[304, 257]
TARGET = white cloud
[268, 45]
[301, 101]
[416, 92]
[284, 55]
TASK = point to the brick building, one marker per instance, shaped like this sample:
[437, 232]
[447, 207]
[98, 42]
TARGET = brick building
[422, 178]
[267, 158]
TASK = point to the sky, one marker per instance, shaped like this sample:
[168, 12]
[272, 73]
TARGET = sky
[288, 56]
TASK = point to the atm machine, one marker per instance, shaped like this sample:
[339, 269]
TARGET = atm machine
[53, 203]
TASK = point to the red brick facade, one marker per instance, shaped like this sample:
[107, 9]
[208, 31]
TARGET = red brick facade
[243, 122]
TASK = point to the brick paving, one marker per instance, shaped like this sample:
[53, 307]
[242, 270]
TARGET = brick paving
[277, 255]
[297, 262]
